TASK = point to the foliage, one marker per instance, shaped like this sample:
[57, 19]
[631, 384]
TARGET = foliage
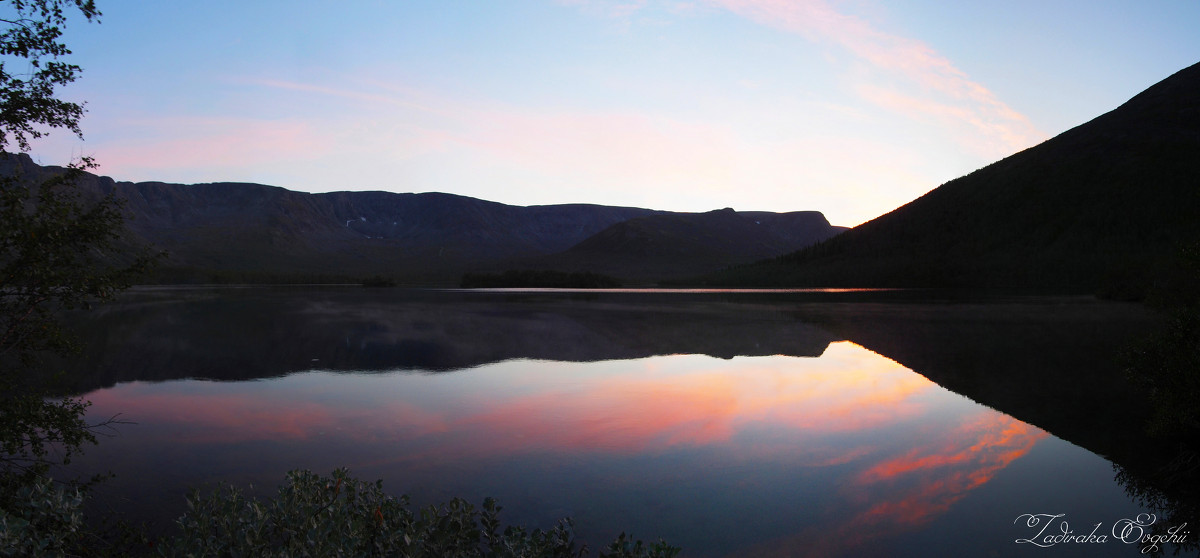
[39, 517]
[1166, 366]
[57, 252]
[31, 427]
[343, 516]
[45, 236]
[32, 36]
[1172, 495]
[529, 278]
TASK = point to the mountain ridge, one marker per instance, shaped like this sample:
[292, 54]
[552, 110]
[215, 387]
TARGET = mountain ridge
[232, 231]
[676, 244]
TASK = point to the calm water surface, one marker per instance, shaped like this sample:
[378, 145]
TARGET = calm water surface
[745, 425]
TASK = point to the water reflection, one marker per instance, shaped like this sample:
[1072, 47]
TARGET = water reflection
[624, 406]
[256, 333]
[726, 423]
[798, 451]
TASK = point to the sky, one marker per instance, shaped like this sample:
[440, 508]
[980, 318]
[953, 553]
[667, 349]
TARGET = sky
[848, 107]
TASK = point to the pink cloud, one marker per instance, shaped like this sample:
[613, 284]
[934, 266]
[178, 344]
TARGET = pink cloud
[572, 146]
[191, 142]
[402, 98]
[946, 93]
[626, 146]
[377, 124]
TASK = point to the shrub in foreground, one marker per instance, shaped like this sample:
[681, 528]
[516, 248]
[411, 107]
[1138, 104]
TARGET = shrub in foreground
[39, 517]
[342, 516]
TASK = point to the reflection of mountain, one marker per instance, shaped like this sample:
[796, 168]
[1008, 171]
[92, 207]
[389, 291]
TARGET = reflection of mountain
[1050, 362]
[244, 334]
[1054, 363]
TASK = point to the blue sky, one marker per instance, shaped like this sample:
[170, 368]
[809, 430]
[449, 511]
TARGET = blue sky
[847, 107]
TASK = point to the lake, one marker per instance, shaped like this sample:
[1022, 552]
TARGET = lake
[900, 423]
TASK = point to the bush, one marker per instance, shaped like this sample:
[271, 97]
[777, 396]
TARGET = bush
[342, 516]
[39, 517]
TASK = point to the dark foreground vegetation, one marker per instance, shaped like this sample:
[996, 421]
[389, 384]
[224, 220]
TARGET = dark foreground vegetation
[343, 516]
[309, 515]
[530, 278]
[1166, 366]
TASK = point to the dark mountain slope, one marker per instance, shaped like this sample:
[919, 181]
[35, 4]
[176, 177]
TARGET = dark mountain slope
[254, 231]
[251, 232]
[423, 237]
[1105, 205]
[798, 228]
[681, 244]
[350, 232]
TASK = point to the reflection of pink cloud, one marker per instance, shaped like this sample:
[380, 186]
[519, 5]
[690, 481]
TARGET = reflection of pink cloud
[218, 418]
[960, 99]
[967, 458]
[636, 412]
[848, 389]
[207, 415]
[515, 410]
[626, 417]
[916, 487]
